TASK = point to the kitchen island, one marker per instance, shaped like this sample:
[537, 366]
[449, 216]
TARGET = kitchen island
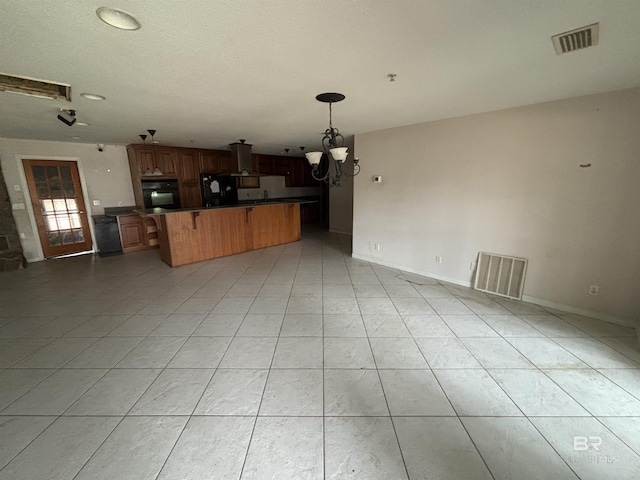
[196, 234]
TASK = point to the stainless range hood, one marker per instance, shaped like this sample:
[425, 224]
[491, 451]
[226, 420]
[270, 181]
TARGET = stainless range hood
[241, 153]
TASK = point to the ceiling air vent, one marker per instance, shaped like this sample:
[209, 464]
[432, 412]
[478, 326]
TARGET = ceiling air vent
[577, 39]
[34, 88]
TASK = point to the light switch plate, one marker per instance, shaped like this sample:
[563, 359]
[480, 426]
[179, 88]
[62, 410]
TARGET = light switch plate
[18, 206]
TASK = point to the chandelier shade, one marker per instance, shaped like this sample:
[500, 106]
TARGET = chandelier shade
[314, 157]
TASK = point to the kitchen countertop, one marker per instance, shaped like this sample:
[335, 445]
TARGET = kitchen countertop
[241, 204]
[119, 211]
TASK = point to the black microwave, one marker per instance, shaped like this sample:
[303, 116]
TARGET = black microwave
[161, 194]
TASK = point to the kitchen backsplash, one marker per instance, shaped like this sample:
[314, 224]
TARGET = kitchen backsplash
[277, 189]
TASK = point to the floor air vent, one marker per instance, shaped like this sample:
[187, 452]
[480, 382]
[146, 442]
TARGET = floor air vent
[577, 39]
[500, 275]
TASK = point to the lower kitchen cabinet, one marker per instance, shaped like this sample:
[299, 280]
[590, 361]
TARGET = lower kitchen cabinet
[310, 212]
[137, 233]
[132, 233]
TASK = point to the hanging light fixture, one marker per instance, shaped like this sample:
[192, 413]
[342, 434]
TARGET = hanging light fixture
[332, 144]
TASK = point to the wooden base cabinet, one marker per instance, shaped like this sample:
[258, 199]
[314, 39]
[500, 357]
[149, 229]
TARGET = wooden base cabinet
[132, 233]
[189, 237]
[137, 233]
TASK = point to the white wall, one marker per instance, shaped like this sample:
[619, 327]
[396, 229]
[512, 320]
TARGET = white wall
[341, 198]
[510, 182]
[105, 177]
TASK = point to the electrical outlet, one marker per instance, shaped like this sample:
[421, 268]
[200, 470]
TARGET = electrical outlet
[97, 203]
[377, 247]
[594, 289]
[16, 188]
[473, 266]
[23, 236]
[18, 206]
[438, 259]
[119, 204]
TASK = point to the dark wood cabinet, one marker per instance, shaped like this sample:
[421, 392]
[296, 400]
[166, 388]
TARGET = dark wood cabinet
[216, 161]
[187, 164]
[273, 165]
[147, 158]
[189, 179]
[310, 212]
[300, 173]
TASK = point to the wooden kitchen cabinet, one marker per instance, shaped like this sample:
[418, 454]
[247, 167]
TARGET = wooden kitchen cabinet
[272, 165]
[137, 233]
[147, 158]
[310, 212]
[132, 233]
[215, 162]
[166, 161]
[189, 178]
[187, 164]
[300, 175]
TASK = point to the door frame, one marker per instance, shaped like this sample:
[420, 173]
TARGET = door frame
[29, 205]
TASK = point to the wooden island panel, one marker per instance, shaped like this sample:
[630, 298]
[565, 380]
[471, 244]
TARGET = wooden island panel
[189, 237]
[274, 225]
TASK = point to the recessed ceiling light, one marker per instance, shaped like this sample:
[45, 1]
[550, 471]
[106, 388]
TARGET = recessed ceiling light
[92, 96]
[75, 138]
[118, 18]
[83, 124]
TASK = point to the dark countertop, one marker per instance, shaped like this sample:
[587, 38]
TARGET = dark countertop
[241, 204]
[119, 211]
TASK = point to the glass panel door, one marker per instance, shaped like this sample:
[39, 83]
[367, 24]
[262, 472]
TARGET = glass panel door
[56, 195]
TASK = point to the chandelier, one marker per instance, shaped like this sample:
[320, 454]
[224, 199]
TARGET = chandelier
[332, 144]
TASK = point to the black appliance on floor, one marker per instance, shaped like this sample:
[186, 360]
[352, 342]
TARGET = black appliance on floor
[218, 190]
[161, 193]
[107, 235]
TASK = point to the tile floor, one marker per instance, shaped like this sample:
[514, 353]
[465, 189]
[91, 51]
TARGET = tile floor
[301, 362]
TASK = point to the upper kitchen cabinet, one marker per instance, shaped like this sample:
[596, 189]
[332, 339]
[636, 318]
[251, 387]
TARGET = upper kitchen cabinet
[272, 165]
[148, 158]
[300, 173]
[166, 158]
[215, 161]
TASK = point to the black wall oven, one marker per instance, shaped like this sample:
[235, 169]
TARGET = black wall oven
[161, 194]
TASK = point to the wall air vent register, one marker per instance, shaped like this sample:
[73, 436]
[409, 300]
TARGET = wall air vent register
[576, 39]
[500, 275]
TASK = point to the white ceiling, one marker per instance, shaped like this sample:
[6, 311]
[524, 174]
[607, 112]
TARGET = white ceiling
[207, 72]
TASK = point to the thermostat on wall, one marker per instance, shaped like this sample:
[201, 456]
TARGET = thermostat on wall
[377, 179]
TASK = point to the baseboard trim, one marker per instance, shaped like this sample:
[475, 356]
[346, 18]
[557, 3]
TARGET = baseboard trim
[580, 311]
[339, 232]
[412, 270]
[538, 301]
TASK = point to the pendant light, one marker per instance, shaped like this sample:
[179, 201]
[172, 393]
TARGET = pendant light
[332, 145]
